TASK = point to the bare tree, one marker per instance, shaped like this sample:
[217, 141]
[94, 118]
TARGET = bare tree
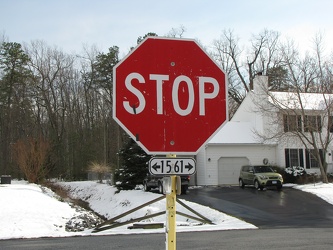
[53, 70]
[177, 32]
[241, 64]
[303, 115]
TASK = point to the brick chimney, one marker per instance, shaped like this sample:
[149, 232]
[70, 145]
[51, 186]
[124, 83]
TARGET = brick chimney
[260, 84]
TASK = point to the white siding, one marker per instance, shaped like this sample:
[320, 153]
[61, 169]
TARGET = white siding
[200, 174]
[207, 168]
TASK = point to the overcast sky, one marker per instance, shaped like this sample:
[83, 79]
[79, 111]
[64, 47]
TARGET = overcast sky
[69, 24]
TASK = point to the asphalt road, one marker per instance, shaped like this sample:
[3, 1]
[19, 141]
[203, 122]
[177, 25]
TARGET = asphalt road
[289, 208]
[262, 239]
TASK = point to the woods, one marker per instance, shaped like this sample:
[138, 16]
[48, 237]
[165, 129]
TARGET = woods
[64, 100]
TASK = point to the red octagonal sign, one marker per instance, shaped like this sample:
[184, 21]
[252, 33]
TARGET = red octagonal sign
[169, 96]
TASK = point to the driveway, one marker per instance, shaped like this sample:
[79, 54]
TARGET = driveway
[270, 208]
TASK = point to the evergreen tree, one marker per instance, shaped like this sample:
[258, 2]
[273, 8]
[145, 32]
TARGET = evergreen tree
[141, 38]
[15, 103]
[278, 78]
[134, 166]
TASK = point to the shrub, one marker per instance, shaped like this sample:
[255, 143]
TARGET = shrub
[330, 177]
[292, 174]
[31, 155]
[100, 168]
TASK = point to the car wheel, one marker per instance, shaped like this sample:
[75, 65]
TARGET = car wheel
[145, 187]
[184, 189]
[241, 183]
[160, 188]
[279, 187]
[257, 185]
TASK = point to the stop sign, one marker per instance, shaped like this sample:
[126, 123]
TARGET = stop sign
[169, 96]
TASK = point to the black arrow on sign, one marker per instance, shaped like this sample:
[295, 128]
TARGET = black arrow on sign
[189, 167]
[155, 166]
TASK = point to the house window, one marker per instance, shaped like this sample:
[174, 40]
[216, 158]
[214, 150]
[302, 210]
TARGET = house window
[311, 161]
[312, 123]
[292, 123]
[294, 157]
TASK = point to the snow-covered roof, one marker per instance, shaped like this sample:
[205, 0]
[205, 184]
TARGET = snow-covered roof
[235, 133]
[309, 101]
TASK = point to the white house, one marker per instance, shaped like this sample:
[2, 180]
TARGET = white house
[240, 141]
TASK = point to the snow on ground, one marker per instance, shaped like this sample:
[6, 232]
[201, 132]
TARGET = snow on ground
[322, 190]
[104, 200]
[30, 211]
[27, 212]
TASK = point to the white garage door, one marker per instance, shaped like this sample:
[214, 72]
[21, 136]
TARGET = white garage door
[229, 168]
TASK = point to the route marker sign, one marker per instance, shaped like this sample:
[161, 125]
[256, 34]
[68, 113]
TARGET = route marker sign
[172, 166]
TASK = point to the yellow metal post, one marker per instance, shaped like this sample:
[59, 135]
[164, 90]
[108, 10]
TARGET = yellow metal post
[171, 216]
[171, 213]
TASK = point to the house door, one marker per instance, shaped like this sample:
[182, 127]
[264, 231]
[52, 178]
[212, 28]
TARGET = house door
[228, 169]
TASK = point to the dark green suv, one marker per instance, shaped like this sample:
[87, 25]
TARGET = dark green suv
[260, 177]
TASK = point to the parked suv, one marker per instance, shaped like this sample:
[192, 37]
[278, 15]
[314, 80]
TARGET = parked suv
[157, 182]
[260, 177]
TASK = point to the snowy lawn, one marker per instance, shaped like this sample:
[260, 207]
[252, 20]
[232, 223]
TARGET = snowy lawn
[29, 210]
[324, 191]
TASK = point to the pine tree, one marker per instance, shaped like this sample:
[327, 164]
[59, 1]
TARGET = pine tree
[15, 103]
[134, 166]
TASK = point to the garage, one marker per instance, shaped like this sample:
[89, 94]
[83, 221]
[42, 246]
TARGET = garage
[228, 169]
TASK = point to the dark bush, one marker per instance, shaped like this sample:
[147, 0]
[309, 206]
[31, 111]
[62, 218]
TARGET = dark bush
[330, 177]
[293, 174]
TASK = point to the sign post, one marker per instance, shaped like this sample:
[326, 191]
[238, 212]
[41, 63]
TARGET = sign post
[171, 216]
[171, 211]
[171, 98]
